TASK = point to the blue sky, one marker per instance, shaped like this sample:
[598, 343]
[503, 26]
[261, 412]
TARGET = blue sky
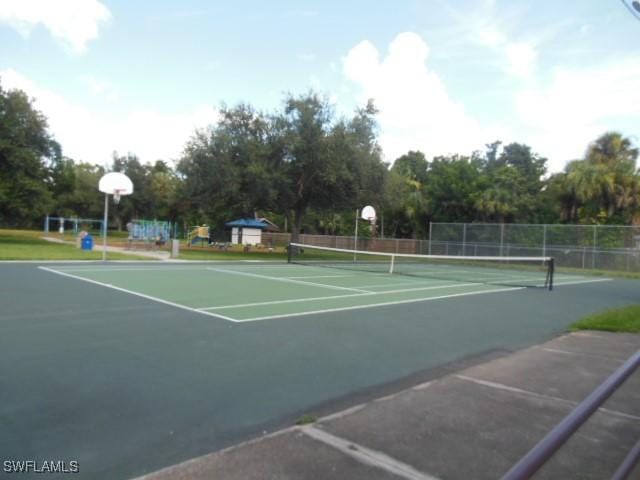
[447, 76]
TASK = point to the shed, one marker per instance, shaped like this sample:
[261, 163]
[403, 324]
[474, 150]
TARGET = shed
[246, 231]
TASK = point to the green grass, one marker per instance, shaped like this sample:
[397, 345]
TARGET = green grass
[306, 419]
[625, 319]
[29, 245]
[232, 254]
[599, 273]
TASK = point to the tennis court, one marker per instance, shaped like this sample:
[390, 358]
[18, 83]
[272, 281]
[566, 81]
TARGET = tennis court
[266, 290]
[131, 367]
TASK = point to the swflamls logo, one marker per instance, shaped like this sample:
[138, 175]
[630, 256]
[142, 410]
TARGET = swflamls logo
[633, 6]
[46, 466]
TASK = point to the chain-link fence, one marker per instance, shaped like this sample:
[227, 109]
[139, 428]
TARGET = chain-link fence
[600, 247]
[603, 247]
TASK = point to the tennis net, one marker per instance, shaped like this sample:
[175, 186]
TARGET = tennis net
[508, 271]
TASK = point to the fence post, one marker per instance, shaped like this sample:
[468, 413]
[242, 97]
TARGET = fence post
[544, 240]
[464, 238]
[595, 240]
[501, 238]
[430, 231]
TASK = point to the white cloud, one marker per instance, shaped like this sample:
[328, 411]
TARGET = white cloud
[518, 58]
[100, 88]
[74, 22]
[490, 37]
[91, 137]
[578, 105]
[416, 111]
[521, 59]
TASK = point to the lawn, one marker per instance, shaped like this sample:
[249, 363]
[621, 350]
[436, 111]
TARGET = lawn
[29, 245]
[625, 319]
[235, 252]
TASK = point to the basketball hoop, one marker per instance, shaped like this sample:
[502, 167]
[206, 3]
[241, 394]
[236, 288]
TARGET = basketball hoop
[369, 214]
[116, 184]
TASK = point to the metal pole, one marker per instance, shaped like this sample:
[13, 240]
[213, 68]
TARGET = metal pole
[544, 240]
[595, 240]
[539, 454]
[627, 466]
[430, 232]
[104, 226]
[464, 238]
[355, 238]
[501, 237]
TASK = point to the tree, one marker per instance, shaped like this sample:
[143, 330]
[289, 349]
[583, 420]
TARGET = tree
[327, 165]
[605, 185]
[26, 151]
[453, 184]
[412, 165]
[515, 183]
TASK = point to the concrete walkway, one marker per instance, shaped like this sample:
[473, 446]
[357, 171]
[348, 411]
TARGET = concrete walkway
[155, 254]
[472, 424]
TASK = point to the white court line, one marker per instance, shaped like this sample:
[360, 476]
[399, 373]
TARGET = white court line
[295, 300]
[382, 304]
[366, 455]
[131, 292]
[193, 268]
[507, 388]
[577, 282]
[286, 280]
[321, 276]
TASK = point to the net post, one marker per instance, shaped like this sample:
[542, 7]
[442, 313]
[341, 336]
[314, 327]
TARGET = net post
[289, 253]
[391, 265]
[550, 272]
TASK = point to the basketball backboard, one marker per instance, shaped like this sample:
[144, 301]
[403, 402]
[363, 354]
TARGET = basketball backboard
[116, 184]
[368, 213]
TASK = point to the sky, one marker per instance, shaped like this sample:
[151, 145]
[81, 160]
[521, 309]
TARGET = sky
[448, 76]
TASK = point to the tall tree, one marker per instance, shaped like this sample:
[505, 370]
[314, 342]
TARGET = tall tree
[26, 152]
[605, 185]
[327, 164]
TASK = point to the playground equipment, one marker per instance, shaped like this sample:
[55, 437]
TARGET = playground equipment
[198, 234]
[75, 225]
[149, 232]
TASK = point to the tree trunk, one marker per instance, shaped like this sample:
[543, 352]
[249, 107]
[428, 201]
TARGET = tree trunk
[298, 213]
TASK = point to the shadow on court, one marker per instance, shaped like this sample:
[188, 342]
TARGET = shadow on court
[126, 386]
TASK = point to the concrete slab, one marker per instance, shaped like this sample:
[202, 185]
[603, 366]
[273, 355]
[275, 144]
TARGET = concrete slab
[474, 423]
[288, 455]
[456, 429]
[569, 367]
[618, 346]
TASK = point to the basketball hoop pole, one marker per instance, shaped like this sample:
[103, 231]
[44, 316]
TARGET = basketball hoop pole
[104, 226]
[355, 241]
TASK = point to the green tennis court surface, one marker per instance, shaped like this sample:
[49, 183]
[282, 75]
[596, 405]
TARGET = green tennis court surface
[260, 291]
[128, 368]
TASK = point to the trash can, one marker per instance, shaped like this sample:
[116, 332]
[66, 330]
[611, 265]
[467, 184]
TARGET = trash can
[87, 243]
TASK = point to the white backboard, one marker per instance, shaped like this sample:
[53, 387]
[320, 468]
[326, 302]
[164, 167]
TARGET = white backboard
[115, 183]
[368, 213]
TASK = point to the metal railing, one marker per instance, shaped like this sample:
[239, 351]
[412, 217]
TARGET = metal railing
[538, 455]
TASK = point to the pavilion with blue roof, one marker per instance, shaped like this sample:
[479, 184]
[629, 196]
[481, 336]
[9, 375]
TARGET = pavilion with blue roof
[248, 231]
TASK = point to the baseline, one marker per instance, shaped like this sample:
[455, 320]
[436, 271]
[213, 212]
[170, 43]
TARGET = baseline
[138, 294]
